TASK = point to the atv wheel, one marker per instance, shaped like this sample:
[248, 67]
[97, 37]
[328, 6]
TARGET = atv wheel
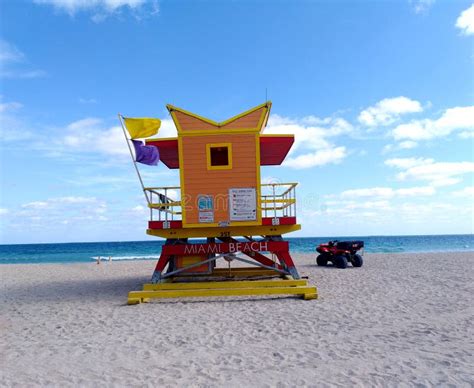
[340, 262]
[322, 260]
[357, 261]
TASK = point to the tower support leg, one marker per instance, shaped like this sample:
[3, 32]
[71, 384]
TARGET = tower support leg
[287, 261]
[160, 266]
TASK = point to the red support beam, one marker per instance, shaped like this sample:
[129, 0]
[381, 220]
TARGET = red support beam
[281, 220]
[257, 256]
[159, 224]
[251, 249]
[225, 247]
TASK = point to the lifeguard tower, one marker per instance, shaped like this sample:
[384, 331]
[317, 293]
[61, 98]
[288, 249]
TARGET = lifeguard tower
[223, 202]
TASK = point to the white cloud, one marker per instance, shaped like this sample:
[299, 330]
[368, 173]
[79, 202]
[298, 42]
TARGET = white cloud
[101, 9]
[348, 208]
[467, 192]
[167, 129]
[317, 158]
[435, 173]
[139, 209]
[63, 210]
[9, 106]
[375, 214]
[404, 145]
[466, 134]
[403, 163]
[372, 205]
[381, 213]
[76, 200]
[421, 6]
[35, 205]
[388, 192]
[312, 139]
[90, 141]
[53, 202]
[102, 180]
[308, 130]
[9, 53]
[453, 119]
[388, 111]
[369, 192]
[12, 127]
[73, 6]
[90, 135]
[415, 191]
[12, 62]
[408, 144]
[465, 21]
[3, 211]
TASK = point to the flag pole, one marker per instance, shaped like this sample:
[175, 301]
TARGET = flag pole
[133, 159]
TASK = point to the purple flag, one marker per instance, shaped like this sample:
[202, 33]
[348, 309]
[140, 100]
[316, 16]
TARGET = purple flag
[146, 154]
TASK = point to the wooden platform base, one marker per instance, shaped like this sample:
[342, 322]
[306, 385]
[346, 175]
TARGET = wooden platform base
[236, 273]
[226, 288]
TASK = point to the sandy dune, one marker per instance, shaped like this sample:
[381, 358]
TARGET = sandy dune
[400, 320]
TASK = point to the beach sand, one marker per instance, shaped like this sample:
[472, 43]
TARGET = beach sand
[401, 319]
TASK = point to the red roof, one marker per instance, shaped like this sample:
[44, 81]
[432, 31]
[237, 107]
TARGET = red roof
[168, 149]
[273, 150]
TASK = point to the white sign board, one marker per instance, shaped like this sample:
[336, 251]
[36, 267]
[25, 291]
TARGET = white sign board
[206, 217]
[206, 208]
[243, 204]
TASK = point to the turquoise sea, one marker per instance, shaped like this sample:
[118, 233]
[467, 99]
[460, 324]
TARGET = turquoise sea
[150, 250]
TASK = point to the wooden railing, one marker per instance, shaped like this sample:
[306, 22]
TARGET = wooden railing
[280, 201]
[277, 200]
[159, 200]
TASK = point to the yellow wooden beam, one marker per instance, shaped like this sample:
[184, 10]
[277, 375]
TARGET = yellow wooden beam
[234, 273]
[243, 272]
[167, 204]
[251, 230]
[227, 275]
[263, 209]
[242, 269]
[307, 292]
[225, 285]
[292, 184]
[163, 187]
[266, 104]
[287, 200]
[158, 139]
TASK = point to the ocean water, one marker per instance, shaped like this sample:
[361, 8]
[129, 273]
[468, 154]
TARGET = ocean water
[150, 250]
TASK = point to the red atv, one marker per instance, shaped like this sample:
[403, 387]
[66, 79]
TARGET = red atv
[340, 253]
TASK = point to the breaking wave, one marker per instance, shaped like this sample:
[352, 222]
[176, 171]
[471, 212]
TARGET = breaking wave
[119, 258]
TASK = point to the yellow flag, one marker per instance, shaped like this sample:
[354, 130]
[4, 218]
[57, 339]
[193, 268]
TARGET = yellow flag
[142, 127]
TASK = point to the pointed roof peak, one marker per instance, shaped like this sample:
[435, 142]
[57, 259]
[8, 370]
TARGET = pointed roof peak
[252, 120]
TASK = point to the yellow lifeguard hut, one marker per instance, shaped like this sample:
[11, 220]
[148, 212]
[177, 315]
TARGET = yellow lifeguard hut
[221, 198]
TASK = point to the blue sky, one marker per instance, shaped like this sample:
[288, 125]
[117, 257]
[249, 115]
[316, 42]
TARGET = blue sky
[379, 95]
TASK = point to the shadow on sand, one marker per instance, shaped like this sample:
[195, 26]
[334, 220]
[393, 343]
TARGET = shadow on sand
[74, 290]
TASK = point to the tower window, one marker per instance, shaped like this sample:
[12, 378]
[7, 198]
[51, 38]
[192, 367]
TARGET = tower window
[219, 156]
